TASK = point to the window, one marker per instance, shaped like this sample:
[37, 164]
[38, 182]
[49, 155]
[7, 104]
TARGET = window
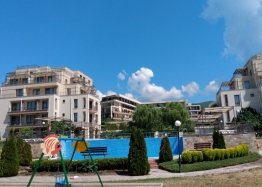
[237, 112]
[250, 72]
[25, 80]
[50, 91]
[14, 81]
[252, 95]
[15, 120]
[226, 100]
[63, 101]
[16, 106]
[40, 79]
[31, 105]
[75, 117]
[19, 92]
[247, 84]
[68, 91]
[63, 114]
[44, 115]
[51, 78]
[36, 91]
[30, 119]
[75, 103]
[45, 104]
[237, 101]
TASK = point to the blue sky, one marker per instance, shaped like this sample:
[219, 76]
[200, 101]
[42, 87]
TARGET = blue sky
[150, 50]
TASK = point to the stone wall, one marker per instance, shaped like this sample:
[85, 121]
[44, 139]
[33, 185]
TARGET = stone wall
[231, 140]
[36, 149]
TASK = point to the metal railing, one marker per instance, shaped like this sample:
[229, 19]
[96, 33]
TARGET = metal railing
[78, 93]
[34, 81]
[27, 109]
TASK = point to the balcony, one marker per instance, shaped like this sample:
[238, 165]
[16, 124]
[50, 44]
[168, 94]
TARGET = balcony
[18, 124]
[34, 81]
[78, 93]
[27, 94]
[28, 109]
[93, 109]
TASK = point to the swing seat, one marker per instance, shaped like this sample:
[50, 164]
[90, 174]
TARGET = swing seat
[60, 179]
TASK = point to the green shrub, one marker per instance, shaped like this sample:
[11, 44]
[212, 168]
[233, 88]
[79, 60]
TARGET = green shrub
[165, 153]
[186, 157]
[81, 165]
[0, 154]
[20, 146]
[200, 156]
[10, 158]
[227, 153]
[197, 156]
[208, 154]
[26, 155]
[238, 151]
[232, 152]
[218, 140]
[218, 153]
[137, 156]
[245, 148]
[223, 152]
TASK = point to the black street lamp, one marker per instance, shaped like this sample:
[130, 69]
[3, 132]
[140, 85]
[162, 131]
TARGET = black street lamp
[178, 123]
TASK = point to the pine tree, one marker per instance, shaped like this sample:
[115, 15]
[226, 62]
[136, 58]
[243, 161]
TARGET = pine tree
[165, 153]
[9, 158]
[218, 140]
[26, 155]
[137, 156]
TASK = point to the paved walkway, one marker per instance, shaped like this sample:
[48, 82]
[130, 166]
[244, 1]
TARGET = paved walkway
[154, 173]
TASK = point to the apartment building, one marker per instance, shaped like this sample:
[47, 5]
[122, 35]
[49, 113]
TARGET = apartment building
[243, 90]
[34, 96]
[118, 107]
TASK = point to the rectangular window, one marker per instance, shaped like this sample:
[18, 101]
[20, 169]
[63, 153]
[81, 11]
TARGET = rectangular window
[36, 91]
[247, 85]
[13, 81]
[31, 105]
[251, 95]
[75, 117]
[50, 91]
[40, 79]
[16, 107]
[68, 91]
[75, 103]
[30, 119]
[51, 78]
[237, 101]
[228, 117]
[63, 114]
[25, 80]
[45, 104]
[15, 120]
[19, 92]
[226, 100]
[44, 115]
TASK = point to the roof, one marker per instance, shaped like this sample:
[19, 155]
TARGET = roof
[240, 71]
[219, 109]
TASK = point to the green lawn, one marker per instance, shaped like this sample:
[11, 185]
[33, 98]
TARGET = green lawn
[173, 166]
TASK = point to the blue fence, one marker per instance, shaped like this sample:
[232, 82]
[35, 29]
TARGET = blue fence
[119, 148]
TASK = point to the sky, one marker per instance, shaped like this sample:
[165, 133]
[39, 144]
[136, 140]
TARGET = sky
[149, 50]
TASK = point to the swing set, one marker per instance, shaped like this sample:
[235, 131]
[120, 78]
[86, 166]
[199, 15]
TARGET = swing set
[53, 146]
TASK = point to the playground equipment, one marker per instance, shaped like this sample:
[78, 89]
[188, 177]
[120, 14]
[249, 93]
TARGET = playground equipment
[52, 146]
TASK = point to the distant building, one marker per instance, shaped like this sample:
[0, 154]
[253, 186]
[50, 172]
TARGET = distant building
[243, 90]
[32, 96]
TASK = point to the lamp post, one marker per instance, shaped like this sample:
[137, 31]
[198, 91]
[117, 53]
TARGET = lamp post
[221, 122]
[178, 123]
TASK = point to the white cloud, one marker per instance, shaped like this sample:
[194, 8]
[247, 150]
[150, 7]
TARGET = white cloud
[139, 82]
[192, 88]
[243, 25]
[100, 94]
[119, 86]
[110, 93]
[121, 76]
[211, 87]
[129, 95]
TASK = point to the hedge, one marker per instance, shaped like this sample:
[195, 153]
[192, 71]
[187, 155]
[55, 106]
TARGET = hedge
[81, 165]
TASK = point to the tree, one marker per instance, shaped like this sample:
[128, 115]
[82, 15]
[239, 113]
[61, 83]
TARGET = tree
[137, 156]
[26, 155]
[250, 115]
[165, 153]
[20, 146]
[61, 127]
[218, 140]
[9, 158]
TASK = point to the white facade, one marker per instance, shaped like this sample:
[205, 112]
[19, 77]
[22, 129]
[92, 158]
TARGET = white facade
[243, 90]
[35, 92]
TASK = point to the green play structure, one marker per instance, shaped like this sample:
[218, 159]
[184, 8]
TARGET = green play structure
[62, 179]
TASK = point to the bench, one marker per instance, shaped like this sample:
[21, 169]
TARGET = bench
[95, 151]
[200, 146]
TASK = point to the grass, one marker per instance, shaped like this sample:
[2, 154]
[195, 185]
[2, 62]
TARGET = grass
[173, 166]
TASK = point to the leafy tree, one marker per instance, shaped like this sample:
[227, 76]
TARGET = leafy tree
[62, 126]
[165, 153]
[26, 155]
[107, 123]
[250, 115]
[137, 156]
[9, 158]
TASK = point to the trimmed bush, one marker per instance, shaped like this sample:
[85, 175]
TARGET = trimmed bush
[81, 165]
[227, 153]
[208, 154]
[223, 152]
[20, 146]
[218, 154]
[26, 155]
[186, 157]
[232, 152]
[165, 153]
[10, 158]
[197, 156]
[200, 156]
[137, 156]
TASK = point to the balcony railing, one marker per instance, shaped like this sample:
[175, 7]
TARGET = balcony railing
[34, 81]
[78, 93]
[27, 94]
[28, 109]
[25, 124]
[94, 108]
